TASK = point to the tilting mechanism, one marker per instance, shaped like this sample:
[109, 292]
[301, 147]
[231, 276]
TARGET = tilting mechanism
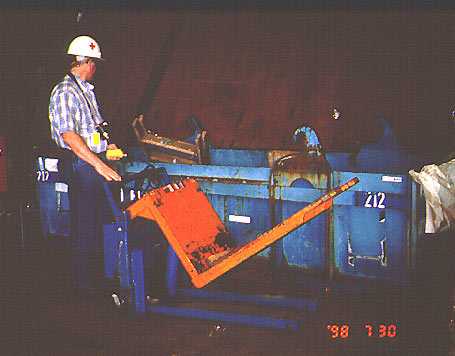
[198, 236]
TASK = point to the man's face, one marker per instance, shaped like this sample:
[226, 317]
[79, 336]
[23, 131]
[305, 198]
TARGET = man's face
[91, 69]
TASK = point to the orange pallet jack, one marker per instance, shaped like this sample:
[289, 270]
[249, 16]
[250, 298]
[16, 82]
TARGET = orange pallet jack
[198, 236]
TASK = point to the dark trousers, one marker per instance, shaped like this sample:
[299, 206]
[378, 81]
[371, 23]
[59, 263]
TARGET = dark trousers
[89, 211]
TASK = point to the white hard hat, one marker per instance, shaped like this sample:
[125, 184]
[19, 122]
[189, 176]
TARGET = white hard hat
[84, 46]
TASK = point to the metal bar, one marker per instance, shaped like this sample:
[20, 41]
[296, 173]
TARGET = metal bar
[251, 320]
[110, 252]
[172, 145]
[116, 212]
[195, 170]
[260, 191]
[123, 255]
[171, 272]
[305, 304]
[137, 272]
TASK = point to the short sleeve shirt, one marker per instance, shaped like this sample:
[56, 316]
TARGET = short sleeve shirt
[69, 111]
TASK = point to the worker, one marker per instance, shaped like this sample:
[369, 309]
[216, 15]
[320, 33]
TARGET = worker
[79, 130]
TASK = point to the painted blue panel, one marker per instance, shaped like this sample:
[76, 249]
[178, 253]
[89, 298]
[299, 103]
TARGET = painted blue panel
[54, 210]
[172, 268]
[123, 255]
[364, 240]
[374, 182]
[381, 200]
[238, 158]
[340, 161]
[218, 203]
[111, 253]
[241, 173]
[63, 214]
[397, 233]
[305, 246]
[257, 210]
[48, 211]
[365, 220]
[137, 272]
[306, 195]
[116, 253]
[239, 190]
[372, 199]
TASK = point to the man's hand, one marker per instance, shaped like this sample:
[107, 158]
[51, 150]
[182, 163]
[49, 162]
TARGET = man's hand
[80, 149]
[107, 172]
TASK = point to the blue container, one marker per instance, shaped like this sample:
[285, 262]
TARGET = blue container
[370, 233]
[305, 247]
[53, 198]
[375, 227]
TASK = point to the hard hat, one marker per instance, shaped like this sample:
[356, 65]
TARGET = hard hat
[84, 46]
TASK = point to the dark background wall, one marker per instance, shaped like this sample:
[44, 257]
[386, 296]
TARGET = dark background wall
[250, 74]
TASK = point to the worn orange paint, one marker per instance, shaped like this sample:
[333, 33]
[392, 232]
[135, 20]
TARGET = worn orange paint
[198, 236]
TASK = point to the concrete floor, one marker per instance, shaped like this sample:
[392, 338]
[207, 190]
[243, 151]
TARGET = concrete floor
[40, 317]
[48, 325]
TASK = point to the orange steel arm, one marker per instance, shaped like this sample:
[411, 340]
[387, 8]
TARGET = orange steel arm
[269, 237]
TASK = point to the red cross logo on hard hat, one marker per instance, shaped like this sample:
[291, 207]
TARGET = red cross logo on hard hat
[92, 45]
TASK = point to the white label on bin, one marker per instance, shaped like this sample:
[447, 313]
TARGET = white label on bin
[240, 219]
[392, 179]
[50, 164]
[61, 187]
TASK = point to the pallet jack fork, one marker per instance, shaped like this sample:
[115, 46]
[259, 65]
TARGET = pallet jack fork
[198, 236]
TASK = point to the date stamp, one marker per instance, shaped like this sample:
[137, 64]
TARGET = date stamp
[370, 330]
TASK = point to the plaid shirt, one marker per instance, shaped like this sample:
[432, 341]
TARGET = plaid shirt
[69, 111]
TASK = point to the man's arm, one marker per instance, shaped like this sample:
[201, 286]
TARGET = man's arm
[80, 149]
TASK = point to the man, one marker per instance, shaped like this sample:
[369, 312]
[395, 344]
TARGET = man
[74, 117]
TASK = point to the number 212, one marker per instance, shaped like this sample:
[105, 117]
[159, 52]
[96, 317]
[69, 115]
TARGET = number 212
[375, 200]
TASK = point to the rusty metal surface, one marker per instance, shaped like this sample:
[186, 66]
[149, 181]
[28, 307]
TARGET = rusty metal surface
[167, 149]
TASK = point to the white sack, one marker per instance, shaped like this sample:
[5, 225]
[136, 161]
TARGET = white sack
[438, 184]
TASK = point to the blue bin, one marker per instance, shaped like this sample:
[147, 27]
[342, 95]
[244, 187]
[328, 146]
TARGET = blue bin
[374, 229]
[370, 233]
[53, 199]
